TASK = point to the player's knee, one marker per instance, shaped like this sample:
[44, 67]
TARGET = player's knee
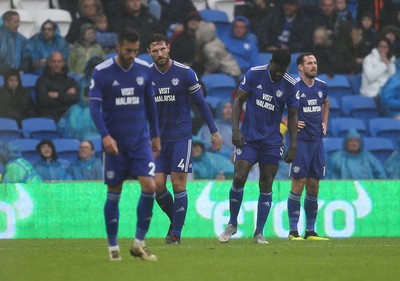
[239, 179]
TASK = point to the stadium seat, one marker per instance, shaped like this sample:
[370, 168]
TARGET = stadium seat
[340, 125]
[5, 5]
[219, 85]
[352, 6]
[338, 86]
[1, 80]
[111, 55]
[382, 148]
[67, 148]
[146, 57]
[98, 146]
[27, 25]
[355, 83]
[28, 80]
[264, 58]
[334, 109]
[39, 128]
[76, 76]
[9, 129]
[226, 6]
[200, 4]
[61, 17]
[213, 101]
[332, 144]
[359, 107]
[293, 63]
[385, 127]
[32, 6]
[28, 149]
[219, 18]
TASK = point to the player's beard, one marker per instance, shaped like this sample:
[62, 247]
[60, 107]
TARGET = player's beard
[310, 76]
[164, 63]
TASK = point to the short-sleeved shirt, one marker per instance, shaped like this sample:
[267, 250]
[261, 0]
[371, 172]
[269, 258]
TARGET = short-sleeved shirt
[173, 90]
[123, 93]
[265, 104]
[310, 110]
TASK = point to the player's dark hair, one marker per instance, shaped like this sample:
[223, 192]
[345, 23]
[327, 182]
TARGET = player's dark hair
[281, 57]
[300, 59]
[128, 34]
[156, 38]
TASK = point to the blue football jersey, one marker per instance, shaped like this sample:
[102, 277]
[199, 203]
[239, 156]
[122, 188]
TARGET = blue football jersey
[173, 90]
[266, 103]
[310, 111]
[124, 94]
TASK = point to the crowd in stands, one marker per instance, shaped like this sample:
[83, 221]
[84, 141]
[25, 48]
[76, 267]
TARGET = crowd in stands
[348, 37]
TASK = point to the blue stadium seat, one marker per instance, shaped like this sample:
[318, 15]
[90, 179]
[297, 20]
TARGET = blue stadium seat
[146, 57]
[1, 80]
[340, 125]
[213, 101]
[355, 82]
[359, 107]
[382, 148]
[219, 18]
[385, 127]
[28, 80]
[352, 6]
[293, 63]
[28, 149]
[219, 85]
[98, 146]
[67, 148]
[332, 144]
[334, 109]
[111, 55]
[76, 76]
[40, 128]
[338, 85]
[9, 129]
[264, 58]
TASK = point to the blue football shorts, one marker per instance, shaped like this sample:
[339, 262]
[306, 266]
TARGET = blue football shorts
[309, 161]
[175, 157]
[259, 151]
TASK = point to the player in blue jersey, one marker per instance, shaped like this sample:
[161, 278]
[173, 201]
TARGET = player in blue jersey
[122, 107]
[266, 89]
[175, 85]
[309, 165]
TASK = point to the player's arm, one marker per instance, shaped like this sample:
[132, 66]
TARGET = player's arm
[325, 115]
[292, 126]
[152, 117]
[241, 97]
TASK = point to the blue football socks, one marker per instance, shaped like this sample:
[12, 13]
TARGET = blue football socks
[180, 209]
[144, 213]
[166, 204]
[311, 209]
[293, 205]
[111, 216]
[235, 201]
[264, 205]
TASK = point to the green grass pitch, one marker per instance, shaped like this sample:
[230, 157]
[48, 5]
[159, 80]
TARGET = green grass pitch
[365, 259]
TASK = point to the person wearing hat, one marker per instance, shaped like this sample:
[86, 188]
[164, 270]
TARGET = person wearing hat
[16, 168]
[49, 168]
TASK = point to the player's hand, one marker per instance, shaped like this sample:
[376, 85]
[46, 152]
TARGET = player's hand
[237, 138]
[300, 125]
[156, 146]
[110, 145]
[324, 128]
[290, 154]
[216, 141]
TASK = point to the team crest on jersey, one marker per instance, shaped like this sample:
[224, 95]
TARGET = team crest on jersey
[320, 94]
[91, 84]
[175, 81]
[279, 93]
[110, 174]
[238, 151]
[140, 80]
[296, 169]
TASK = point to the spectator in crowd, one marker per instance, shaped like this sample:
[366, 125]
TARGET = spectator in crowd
[381, 9]
[208, 165]
[134, 14]
[173, 13]
[69, 5]
[390, 94]
[241, 43]
[49, 168]
[213, 54]
[324, 50]
[55, 90]
[343, 14]
[223, 117]
[47, 41]
[254, 10]
[16, 102]
[369, 33]
[285, 28]
[88, 11]
[106, 38]
[13, 44]
[392, 164]
[87, 166]
[84, 48]
[393, 34]
[353, 161]
[326, 16]
[76, 123]
[378, 66]
[16, 168]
